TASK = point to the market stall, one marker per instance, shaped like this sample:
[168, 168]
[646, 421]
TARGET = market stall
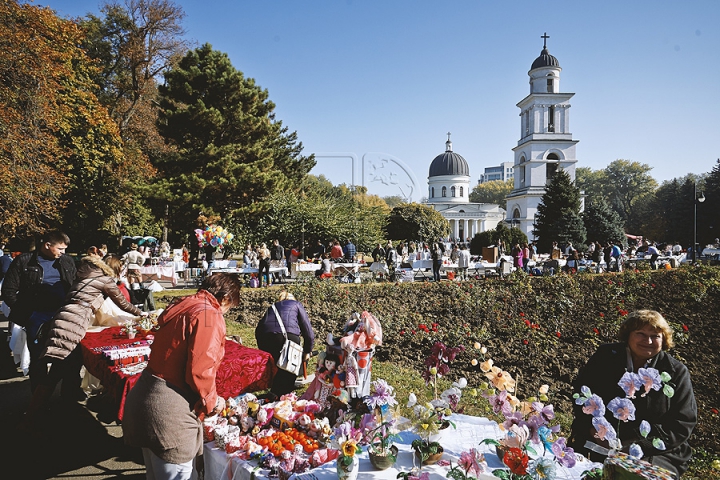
[117, 362]
[470, 432]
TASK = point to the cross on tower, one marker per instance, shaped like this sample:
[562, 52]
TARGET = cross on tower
[448, 136]
[545, 36]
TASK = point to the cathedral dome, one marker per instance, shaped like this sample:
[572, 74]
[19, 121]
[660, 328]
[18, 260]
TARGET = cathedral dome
[545, 60]
[449, 163]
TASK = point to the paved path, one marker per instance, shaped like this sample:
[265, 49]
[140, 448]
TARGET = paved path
[72, 443]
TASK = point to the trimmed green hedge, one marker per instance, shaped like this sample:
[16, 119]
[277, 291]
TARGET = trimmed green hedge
[541, 329]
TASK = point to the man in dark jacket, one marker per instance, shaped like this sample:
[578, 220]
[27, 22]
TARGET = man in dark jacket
[34, 288]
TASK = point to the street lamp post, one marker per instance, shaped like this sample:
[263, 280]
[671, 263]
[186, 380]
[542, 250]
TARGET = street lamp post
[696, 200]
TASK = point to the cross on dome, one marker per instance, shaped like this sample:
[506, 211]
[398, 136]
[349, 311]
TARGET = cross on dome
[448, 144]
[545, 36]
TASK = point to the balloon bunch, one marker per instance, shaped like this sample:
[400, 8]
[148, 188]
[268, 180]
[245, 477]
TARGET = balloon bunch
[213, 235]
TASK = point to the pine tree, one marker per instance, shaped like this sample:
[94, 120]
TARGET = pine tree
[230, 151]
[602, 223]
[558, 215]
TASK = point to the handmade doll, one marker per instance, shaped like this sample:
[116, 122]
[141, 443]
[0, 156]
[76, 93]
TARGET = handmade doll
[327, 371]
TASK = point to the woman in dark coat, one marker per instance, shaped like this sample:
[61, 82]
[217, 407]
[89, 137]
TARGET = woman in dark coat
[95, 280]
[645, 338]
[270, 338]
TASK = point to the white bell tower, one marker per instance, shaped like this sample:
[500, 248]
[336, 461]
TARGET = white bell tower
[545, 144]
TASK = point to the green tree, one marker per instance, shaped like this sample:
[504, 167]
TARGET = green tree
[627, 183]
[231, 154]
[493, 191]
[592, 182]
[558, 216]
[132, 43]
[294, 217]
[416, 222]
[500, 235]
[708, 219]
[393, 201]
[602, 223]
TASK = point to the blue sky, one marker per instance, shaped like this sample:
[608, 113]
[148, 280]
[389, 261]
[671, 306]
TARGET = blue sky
[381, 82]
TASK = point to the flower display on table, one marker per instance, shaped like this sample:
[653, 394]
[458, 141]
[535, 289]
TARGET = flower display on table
[623, 409]
[383, 432]
[525, 423]
[346, 439]
[470, 465]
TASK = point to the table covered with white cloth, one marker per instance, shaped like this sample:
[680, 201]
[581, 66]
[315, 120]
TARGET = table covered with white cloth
[469, 433]
[158, 272]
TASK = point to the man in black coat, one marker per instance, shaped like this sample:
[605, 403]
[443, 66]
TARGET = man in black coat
[34, 288]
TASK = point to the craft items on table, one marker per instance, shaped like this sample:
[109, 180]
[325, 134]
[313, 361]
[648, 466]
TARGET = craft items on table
[243, 369]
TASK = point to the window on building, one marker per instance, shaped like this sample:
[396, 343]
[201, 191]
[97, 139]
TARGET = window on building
[461, 191]
[444, 191]
[522, 175]
[550, 85]
[432, 192]
[452, 191]
[552, 166]
[551, 119]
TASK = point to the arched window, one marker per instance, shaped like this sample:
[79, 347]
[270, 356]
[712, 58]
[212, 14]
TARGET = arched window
[461, 191]
[452, 191]
[552, 166]
[432, 192]
[444, 192]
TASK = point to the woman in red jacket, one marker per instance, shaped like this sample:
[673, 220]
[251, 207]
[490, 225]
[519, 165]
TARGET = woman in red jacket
[162, 410]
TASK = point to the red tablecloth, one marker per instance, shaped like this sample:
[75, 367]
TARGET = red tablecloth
[242, 370]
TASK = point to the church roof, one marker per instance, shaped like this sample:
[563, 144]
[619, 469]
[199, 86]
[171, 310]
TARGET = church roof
[449, 163]
[545, 60]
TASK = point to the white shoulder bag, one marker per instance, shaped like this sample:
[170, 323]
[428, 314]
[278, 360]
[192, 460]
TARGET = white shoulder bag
[291, 353]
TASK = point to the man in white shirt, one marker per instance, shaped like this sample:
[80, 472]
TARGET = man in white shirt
[676, 249]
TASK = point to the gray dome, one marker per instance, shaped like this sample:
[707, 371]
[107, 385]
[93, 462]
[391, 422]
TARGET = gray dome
[545, 60]
[449, 163]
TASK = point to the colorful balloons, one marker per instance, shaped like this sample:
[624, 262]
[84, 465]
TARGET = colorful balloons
[213, 235]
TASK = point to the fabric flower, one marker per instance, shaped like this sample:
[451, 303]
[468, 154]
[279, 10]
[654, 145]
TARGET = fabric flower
[635, 451]
[644, 428]
[650, 379]
[584, 394]
[516, 460]
[545, 435]
[545, 411]
[517, 436]
[544, 389]
[604, 430]
[500, 379]
[622, 409]
[384, 394]
[658, 444]
[594, 406]
[349, 448]
[543, 469]
[630, 382]
[500, 404]
[486, 365]
[563, 454]
[471, 461]
[412, 400]
[513, 419]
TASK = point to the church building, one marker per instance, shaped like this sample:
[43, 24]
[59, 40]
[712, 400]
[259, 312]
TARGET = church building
[449, 192]
[545, 144]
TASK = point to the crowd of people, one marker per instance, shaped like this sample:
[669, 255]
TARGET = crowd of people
[54, 300]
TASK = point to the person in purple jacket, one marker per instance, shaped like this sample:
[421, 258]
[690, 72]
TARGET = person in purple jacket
[270, 338]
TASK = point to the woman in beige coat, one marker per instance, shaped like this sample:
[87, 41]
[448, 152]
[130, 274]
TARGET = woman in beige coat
[96, 280]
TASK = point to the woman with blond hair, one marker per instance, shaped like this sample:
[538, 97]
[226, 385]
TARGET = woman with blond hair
[645, 338]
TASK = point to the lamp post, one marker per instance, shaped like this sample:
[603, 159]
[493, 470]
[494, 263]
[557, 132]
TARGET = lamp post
[696, 200]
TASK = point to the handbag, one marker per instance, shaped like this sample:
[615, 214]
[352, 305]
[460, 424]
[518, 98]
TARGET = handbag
[291, 353]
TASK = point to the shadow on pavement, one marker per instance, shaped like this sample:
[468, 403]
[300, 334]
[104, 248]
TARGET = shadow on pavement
[69, 441]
